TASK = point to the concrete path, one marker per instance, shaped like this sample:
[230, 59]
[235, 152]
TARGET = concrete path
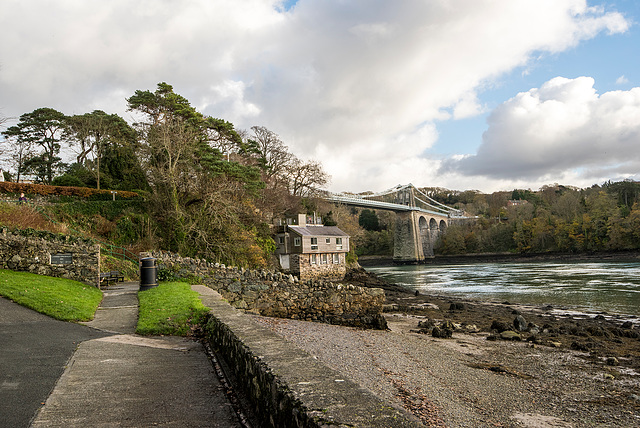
[34, 350]
[127, 380]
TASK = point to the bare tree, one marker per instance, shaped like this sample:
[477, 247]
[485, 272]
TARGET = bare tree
[274, 155]
[305, 177]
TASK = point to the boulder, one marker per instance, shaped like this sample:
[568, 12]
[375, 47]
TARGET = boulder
[500, 326]
[442, 333]
[520, 323]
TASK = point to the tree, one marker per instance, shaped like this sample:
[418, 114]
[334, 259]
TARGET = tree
[368, 219]
[42, 127]
[96, 132]
[305, 178]
[273, 155]
[203, 203]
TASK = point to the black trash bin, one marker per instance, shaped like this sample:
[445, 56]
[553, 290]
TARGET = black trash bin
[148, 273]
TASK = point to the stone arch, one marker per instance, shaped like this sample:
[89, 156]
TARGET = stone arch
[433, 224]
[443, 226]
[422, 223]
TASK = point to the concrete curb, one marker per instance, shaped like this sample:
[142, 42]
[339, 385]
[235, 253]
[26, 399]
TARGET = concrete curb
[287, 386]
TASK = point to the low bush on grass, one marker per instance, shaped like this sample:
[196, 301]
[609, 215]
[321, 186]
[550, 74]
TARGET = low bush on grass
[59, 298]
[171, 308]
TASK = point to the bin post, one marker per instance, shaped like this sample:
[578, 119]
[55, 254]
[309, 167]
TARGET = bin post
[148, 273]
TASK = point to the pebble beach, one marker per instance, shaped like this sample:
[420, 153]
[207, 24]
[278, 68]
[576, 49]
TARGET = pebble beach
[466, 380]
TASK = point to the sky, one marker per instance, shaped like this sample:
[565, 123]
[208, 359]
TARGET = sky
[481, 95]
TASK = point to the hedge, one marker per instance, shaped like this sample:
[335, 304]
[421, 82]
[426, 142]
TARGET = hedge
[42, 189]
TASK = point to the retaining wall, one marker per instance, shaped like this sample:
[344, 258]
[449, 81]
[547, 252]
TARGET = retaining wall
[288, 387]
[271, 293]
[51, 254]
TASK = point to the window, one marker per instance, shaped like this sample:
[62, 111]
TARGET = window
[314, 243]
[339, 243]
[314, 259]
[296, 242]
[336, 258]
[328, 240]
[324, 259]
[281, 240]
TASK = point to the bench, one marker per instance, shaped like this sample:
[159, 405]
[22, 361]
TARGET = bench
[108, 278]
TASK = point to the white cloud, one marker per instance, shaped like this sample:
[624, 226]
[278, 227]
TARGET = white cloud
[562, 129]
[622, 80]
[353, 80]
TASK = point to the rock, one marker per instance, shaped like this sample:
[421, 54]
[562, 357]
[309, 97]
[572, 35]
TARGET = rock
[510, 335]
[428, 323]
[608, 376]
[448, 325]
[457, 306]
[534, 329]
[555, 344]
[471, 328]
[443, 333]
[240, 304]
[500, 326]
[612, 361]
[520, 323]
[627, 324]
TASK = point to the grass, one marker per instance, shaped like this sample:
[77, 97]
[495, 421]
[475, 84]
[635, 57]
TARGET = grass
[171, 309]
[59, 298]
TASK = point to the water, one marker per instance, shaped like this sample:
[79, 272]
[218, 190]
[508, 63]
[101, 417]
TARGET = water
[612, 287]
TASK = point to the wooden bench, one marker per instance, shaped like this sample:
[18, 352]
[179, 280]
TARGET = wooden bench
[117, 276]
[108, 278]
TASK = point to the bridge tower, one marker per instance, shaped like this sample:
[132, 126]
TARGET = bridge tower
[416, 235]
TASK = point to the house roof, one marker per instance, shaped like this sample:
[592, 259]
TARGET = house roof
[317, 230]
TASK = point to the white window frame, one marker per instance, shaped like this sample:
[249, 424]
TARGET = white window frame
[297, 241]
[327, 241]
[323, 259]
[313, 259]
[336, 258]
[314, 243]
[339, 243]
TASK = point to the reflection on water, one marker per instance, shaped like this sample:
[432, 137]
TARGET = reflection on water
[609, 286]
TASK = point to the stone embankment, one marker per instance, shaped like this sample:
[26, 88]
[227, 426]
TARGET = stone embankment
[271, 293]
[287, 387]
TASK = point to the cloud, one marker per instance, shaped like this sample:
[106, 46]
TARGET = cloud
[338, 81]
[562, 129]
[622, 80]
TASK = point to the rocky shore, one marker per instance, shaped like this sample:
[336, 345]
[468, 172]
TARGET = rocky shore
[459, 363]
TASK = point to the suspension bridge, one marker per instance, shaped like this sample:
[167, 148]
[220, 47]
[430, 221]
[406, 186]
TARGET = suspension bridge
[420, 219]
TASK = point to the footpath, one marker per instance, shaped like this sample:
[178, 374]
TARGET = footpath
[127, 380]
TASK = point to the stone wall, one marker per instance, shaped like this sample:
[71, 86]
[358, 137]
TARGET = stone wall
[272, 293]
[50, 254]
[287, 387]
[307, 270]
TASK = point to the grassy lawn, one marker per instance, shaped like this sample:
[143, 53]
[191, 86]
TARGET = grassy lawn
[171, 308]
[59, 298]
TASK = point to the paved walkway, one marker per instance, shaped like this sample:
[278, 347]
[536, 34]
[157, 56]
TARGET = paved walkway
[127, 380]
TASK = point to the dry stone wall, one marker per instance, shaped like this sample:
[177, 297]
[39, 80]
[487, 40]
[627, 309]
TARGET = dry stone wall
[272, 293]
[50, 254]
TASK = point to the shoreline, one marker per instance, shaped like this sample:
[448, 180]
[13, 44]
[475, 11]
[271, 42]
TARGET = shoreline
[560, 369]
[381, 261]
[599, 333]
